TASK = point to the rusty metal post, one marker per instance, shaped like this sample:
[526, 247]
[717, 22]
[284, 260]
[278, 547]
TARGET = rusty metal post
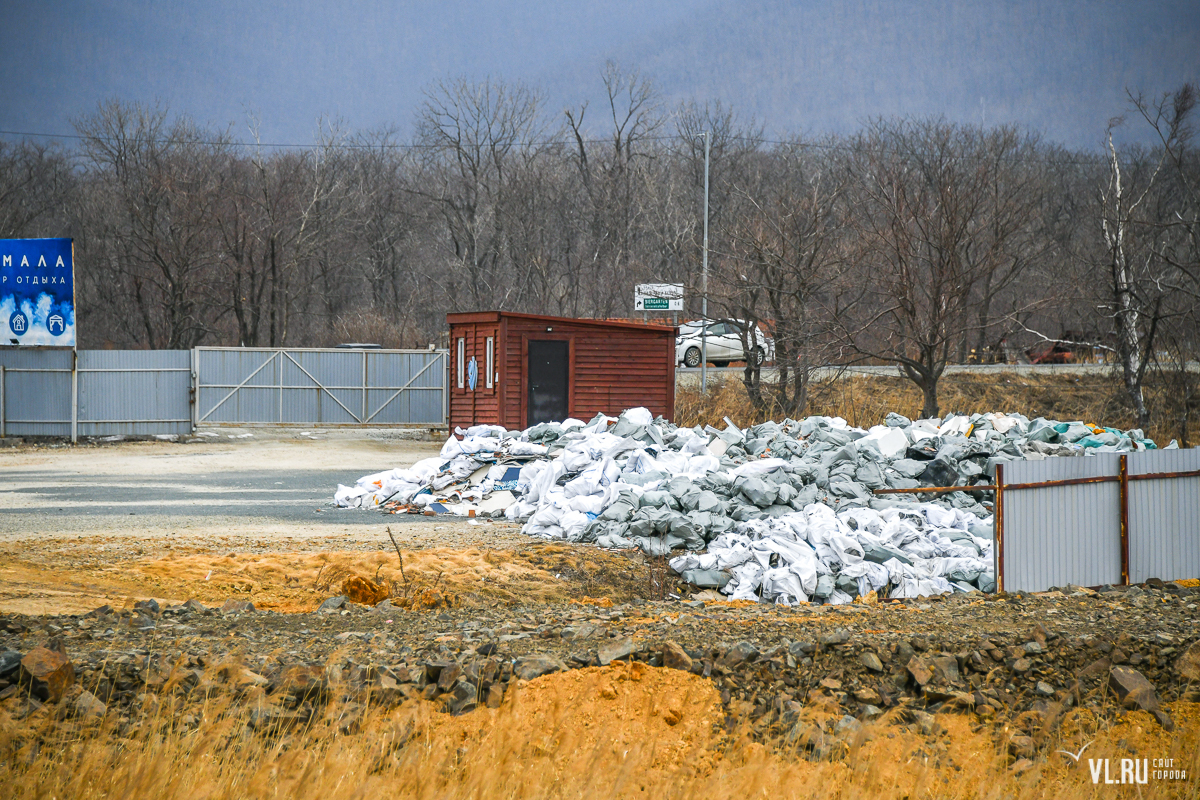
[998, 524]
[1124, 494]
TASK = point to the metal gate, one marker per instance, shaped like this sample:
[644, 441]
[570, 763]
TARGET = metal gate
[271, 386]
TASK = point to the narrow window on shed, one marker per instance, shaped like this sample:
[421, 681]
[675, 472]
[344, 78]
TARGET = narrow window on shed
[462, 367]
[490, 360]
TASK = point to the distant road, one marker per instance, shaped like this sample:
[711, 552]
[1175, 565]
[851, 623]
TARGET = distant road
[691, 377]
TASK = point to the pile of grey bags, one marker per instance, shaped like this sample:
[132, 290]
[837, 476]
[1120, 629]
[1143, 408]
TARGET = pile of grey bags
[786, 511]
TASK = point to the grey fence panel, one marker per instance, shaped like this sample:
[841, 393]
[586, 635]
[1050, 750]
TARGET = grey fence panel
[422, 400]
[235, 385]
[1055, 535]
[134, 392]
[35, 399]
[1164, 516]
[325, 386]
[119, 392]
[240, 386]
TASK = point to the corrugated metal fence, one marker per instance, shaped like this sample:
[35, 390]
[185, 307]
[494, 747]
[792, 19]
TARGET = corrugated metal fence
[104, 392]
[1104, 519]
[45, 392]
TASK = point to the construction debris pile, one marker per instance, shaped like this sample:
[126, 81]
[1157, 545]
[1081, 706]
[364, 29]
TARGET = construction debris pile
[785, 512]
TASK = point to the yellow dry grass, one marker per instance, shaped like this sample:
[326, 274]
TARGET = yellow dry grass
[624, 731]
[864, 401]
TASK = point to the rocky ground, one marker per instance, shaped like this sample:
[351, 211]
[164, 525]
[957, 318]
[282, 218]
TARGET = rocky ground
[1025, 663]
[478, 611]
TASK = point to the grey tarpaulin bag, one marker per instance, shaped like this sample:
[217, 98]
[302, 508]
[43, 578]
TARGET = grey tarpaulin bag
[707, 578]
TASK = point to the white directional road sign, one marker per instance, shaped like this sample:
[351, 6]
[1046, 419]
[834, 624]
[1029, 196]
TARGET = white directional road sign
[658, 297]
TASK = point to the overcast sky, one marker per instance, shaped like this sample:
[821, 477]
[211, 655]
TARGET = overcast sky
[815, 66]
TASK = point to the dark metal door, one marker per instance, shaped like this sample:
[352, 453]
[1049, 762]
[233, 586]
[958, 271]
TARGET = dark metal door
[548, 382]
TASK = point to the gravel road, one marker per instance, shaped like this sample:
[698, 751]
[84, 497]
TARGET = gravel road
[264, 483]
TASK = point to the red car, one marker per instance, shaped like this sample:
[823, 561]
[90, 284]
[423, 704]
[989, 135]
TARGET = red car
[1050, 353]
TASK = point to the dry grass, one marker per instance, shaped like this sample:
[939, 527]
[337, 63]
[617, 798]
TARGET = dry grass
[865, 401]
[622, 731]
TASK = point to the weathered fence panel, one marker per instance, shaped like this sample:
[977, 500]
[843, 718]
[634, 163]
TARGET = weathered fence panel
[1164, 518]
[1103, 519]
[261, 386]
[104, 392]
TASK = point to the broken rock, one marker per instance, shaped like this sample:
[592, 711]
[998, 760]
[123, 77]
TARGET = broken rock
[47, 673]
[919, 672]
[738, 654]
[232, 606]
[871, 661]
[1188, 664]
[840, 636]
[10, 662]
[1022, 747]
[88, 706]
[330, 605]
[675, 657]
[530, 667]
[619, 650]
[1132, 689]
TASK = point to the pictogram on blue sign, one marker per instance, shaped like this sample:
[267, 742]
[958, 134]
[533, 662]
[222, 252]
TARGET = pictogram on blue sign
[472, 373]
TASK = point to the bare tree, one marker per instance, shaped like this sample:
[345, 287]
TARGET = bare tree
[613, 172]
[786, 260]
[35, 185]
[381, 225]
[154, 199]
[926, 189]
[470, 138]
[1138, 286]
[1174, 219]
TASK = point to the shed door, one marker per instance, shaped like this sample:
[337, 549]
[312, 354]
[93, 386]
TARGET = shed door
[548, 381]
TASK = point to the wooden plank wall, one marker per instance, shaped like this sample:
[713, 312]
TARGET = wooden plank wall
[481, 406]
[613, 368]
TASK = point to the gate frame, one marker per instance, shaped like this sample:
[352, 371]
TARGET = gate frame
[362, 420]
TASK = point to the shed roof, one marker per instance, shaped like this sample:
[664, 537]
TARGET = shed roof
[494, 316]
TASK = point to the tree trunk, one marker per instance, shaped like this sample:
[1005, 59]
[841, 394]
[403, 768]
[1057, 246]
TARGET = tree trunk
[929, 409]
[274, 295]
[1126, 316]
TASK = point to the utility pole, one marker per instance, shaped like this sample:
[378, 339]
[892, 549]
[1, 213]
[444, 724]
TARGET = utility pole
[704, 279]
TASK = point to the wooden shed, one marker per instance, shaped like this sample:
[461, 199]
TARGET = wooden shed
[517, 370]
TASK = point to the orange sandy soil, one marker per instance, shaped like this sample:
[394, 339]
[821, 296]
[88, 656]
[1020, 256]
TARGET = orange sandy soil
[638, 729]
[71, 576]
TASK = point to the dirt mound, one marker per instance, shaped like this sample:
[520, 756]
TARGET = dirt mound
[360, 590]
[666, 717]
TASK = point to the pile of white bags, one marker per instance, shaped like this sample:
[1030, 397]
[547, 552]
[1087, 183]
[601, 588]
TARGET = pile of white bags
[786, 511]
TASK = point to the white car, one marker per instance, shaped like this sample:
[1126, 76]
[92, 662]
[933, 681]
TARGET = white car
[724, 344]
